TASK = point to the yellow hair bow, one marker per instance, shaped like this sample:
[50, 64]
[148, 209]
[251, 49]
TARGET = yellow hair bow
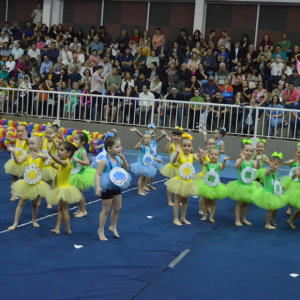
[186, 135]
[263, 141]
[277, 154]
[39, 134]
[245, 141]
[23, 123]
[180, 128]
[74, 144]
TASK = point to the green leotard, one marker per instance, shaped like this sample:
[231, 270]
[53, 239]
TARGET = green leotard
[240, 170]
[79, 156]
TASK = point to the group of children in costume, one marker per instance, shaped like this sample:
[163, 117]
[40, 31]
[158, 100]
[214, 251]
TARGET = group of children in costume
[60, 171]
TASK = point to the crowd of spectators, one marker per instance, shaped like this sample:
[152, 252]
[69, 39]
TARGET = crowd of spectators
[191, 68]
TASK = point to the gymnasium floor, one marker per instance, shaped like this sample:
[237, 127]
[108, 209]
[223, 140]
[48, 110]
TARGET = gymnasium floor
[224, 262]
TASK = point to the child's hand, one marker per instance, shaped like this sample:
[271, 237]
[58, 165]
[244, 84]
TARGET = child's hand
[121, 156]
[52, 136]
[162, 131]
[242, 156]
[34, 155]
[204, 132]
[76, 159]
[98, 191]
[297, 171]
[227, 158]
[283, 188]
[177, 148]
[133, 129]
[61, 132]
[10, 148]
[159, 161]
[53, 164]
[168, 138]
[49, 149]
[259, 157]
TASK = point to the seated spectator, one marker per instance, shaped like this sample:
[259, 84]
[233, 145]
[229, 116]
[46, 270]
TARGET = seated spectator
[171, 72]
[247, 64]
[10, 65]
[123, 39]
[294, 78]
[121, 49]
[62, 76]
[195, 110]
[145, 48]
[95, 58]
[262, 67]
[209, 62]
[111, 103]
[198, 50]
[17, 31]
[63, 87]
[274, 117]
[291, 97]
[286, 45]
[126, 82]
[4, 74]
[252, 53]
[247, 92]
[278, 92]
[141, 81]
[237, 80]
[227, 91]
[97, 45]
[136, 71]
[236, 114]
[193, 63]
[53, 53]
[128, 105]
[44, 66]
[261, 96]
[211, 37]
[224, 53]
[85, 103]
[73, 100]
[175, 48]
[80, 36]
[280, 53]
[253, 78]
[157, 37]
[277, 69]
[75, 63]
[111, 58]
[107, 67]
[173, 59]
[295, 123]
[115, 79]
[184, 73]
[145, 106]
[75, 45]
[51, 76]
[162, 52]
[177, 109]
[218, 112]
[28, 32]
[187, 55]
[35, 53]
[190, 88]
[290, 66]
[221, 75]
[5, 52]
[152, 58]
[87, 66]
[66, 56]
[17, 52]
[201, 75]
[153, 71]
[92, 33]
[210, 88]
[214, 49]
[44, 31]
[180, 86]
[247, 124]
[86, 78]
[140, 58]
[136, 37]
[155, 86]
[266, 52]
[37, 30]
[236, 55]
[295, 51]
[182, 40]
[225, 40]
[104, 36]
[266, 41]
[244, 45]
[145, 36]
[74, 77]
[126, 60]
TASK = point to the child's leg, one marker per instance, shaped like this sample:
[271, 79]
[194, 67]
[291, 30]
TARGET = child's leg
[66, 216]
[183, 210]
[117, 205]
[177, 200]
[14, 179]
[205, 205]
[268, 218]
[289, 210]
[140, 186]
[48, 205]
[237, 213]
[169, 195]
[19, 210]
[82, 209]
[106, 205]
[293, 217]
[273, 217]
[151, 184]
[213, 205]
[59, 219]
[244, 214]
[201, 205]
[35, 210]
[145, 188]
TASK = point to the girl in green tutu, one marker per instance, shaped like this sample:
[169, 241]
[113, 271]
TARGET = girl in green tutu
[242, 189]
[210, 186]
[293, 197]
[260, 149]
[287, 181]
[271, 197]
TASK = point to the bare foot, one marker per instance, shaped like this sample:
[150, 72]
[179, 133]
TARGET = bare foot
[152, 187]
[185, 221]
[55, 230]
[142, 194]
[81, 214]
[269, 226]
[200, 212]
[203, 219]
[49, 206]
[211, 220]
[146, 189]
[273, 222]
[238, 223]
[13, 227]
[246, 222]
[68, 231]
[12, 199]
[76, 212]
[102, 236]
[114, 231]
[289, 211]
[170, 203]
[290, 223]
[35, 224]
[176, 222]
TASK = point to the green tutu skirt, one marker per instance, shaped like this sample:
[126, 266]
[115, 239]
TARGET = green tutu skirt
[182, 187]
[14, 169]
[169, 171]
[69, 194]
[260, 174]
[26, 191]
[293, 198]
[289, 184]
[198, 176]
[48, 173]
[269, 201]
[83, 180]
[242, 192]
[217, 192]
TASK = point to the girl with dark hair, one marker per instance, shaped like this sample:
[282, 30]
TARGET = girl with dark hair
[80, 36]
[92, 33]
[266, 41]
[244, 44]
[53, 32]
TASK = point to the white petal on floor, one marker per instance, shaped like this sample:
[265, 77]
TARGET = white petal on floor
[149, 217]
[78, 246]
[294, 275]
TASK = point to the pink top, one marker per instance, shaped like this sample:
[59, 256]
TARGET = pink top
[83, 98]
[237, 80]
[157, 40]
[95, 59]
[298, 66]
[20, 66]
[40, 45]
[96, 85]
[294, 95]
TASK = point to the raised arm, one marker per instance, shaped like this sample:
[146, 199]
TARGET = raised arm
[133, 129]
[139, 144]
[223, 165]
[16, 158]
[59, 161]
[168, 146]
[163, 133]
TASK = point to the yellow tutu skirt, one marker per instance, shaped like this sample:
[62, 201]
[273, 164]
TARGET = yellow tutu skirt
[15, 169]
[48, 173]
[198, 176]
[69, 194]
[30, 191]
[169, 171]
[182, 187]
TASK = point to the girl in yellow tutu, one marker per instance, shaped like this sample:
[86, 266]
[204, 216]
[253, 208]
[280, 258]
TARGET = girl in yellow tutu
[170, 170]
[242, 189]
[210, 186]
[183, 185]
[260, 149]
[21, 150]
[63, 192]
[31, 187]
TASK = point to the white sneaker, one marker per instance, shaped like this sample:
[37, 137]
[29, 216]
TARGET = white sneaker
[197, 126]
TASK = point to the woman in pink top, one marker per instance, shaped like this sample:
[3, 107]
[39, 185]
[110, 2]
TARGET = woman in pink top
[156, 40]
[24, 62]
[86, 100]
[39, 43]
[193, 63]
[94, 58]
[237, 80]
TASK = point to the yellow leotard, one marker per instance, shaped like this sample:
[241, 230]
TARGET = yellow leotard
[173, 149]
[48, 172]
[44, 147]
[24, 146]
[186, 171]
[63, 175]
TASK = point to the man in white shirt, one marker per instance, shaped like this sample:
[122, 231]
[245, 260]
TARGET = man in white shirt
[37, 14]
[66, 56]
[75, 44]
[35, 53]
[224, 40]
[277, 69]
[76, 63]
[145, 106]
[107, 66]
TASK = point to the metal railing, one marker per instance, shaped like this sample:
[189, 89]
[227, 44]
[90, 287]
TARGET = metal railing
[238, 120]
